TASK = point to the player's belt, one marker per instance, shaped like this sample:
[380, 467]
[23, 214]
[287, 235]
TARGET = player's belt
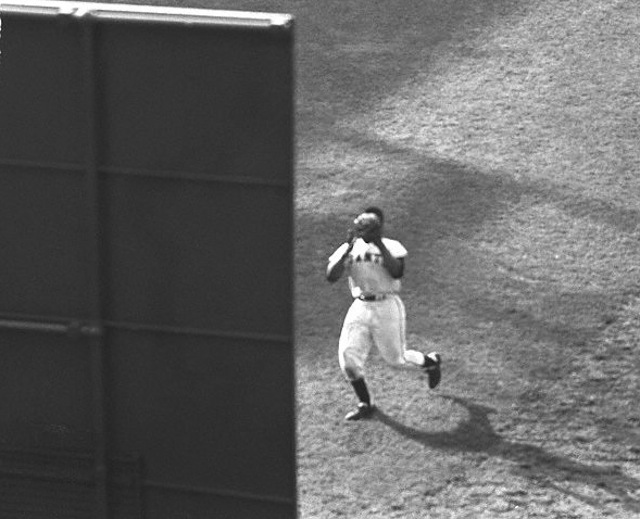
[374, 297]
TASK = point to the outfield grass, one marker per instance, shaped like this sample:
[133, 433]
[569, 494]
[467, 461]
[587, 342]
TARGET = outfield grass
[502, 138]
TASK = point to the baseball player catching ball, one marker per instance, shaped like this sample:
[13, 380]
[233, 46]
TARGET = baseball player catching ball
[377, 316]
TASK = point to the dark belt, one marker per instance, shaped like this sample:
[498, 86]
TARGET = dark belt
[378, 297]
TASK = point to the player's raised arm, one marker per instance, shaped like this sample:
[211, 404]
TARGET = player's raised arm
[395, 266]
[337, 261]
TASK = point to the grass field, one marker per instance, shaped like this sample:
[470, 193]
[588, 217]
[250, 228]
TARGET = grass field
[501, 137]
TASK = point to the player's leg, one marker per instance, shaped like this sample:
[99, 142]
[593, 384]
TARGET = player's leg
[388, 331]
[430, 363]
[390, 338]
[353, 350]
[432, 367]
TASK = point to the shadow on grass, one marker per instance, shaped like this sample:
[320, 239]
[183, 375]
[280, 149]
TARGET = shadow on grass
[460, 197]
[476, 435]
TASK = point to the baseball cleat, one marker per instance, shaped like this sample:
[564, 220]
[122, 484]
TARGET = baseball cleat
[362, 412]
[431, 367]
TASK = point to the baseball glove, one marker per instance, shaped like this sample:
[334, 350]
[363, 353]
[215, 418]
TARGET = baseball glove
[367, 226]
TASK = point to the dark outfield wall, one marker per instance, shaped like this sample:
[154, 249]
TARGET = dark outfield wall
[146, 186]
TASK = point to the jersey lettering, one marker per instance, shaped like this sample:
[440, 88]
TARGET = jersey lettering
[366, 271]
[368, 257]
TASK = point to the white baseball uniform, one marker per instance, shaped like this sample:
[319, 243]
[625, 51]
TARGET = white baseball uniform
[377, 315]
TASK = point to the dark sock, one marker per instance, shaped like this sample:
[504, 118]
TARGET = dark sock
[428, 362]
[360, 387]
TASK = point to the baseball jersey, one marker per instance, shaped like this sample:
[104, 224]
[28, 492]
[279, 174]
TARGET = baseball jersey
[367, 275]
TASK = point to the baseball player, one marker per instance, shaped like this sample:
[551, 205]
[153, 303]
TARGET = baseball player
[377, 316]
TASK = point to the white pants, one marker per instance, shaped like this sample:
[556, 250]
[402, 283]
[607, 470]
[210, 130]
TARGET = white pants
[379, 323]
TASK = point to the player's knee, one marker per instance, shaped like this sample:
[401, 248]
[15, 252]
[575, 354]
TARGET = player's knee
[352, 373]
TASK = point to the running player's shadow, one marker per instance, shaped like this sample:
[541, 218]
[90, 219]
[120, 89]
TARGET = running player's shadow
[476, 434]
